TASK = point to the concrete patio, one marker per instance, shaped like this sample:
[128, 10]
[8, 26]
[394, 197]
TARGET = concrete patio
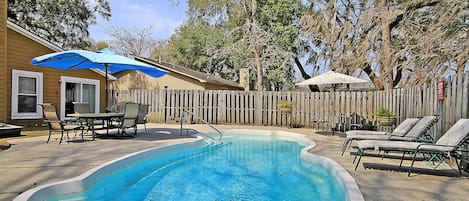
[31, 162]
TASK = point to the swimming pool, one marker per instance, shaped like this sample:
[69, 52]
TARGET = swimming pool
[249, 165]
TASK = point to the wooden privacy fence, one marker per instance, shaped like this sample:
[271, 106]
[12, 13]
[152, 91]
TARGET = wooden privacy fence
[260, 108]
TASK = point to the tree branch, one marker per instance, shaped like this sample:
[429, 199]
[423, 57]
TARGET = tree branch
[304, 74]
[419, 5]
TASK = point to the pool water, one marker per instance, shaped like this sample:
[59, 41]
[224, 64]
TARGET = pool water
[242, 168]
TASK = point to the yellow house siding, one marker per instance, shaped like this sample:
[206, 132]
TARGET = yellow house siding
[20, 52]
[3, 61]
[177, 81]
[138, 80]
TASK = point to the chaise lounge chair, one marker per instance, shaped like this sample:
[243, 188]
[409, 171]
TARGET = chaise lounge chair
[409, 130]
[401, 129]
[448, 145]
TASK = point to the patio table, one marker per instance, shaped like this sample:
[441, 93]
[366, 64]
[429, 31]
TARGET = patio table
[98, 116]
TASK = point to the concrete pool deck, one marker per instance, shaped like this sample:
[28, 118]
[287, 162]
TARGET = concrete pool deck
[31, 162]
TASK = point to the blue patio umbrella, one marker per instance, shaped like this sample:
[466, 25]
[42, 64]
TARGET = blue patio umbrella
[104, 59]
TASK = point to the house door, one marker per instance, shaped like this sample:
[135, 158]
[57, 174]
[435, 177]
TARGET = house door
[78, 90]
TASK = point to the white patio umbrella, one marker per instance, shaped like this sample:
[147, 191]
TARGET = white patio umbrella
[334, 79]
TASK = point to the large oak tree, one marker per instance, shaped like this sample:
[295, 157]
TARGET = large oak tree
[257, 34]
[63, 22]
[393, 42]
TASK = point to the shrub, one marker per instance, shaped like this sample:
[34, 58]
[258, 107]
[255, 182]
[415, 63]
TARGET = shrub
[383, 112]
[285, 104]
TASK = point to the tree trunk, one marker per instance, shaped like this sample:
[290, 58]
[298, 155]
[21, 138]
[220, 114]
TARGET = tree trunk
[257, 55]
[463, 60]
[386, 66]
[377, 81]
[305, 75]
[257, 48]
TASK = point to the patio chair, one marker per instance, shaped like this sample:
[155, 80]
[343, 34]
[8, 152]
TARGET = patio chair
[130, 118]
[84, 108]
[119, 107]
[55, 125]
[116, 108]
[448, 145]
[356, 121]
[342, 123]
[400, 131]
[143, 116]
[81, 108]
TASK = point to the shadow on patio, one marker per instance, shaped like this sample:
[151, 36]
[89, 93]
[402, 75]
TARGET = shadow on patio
[153, 134]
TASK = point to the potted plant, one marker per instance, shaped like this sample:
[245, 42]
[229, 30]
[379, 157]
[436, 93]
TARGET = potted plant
[285, 106]
[385, 117]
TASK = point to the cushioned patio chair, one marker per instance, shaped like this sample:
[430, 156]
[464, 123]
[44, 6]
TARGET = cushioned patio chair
[342, 123]
[398, 134]
[119, 107]
[448, 145]
[356, 121]
[143, 115]
[130, 118]
[55, 125]
[81, 108]
[401, 129]
[84, 108]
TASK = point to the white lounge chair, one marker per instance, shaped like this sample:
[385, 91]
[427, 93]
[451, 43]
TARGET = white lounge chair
[448, 145]
[401, 129]
[409, 130]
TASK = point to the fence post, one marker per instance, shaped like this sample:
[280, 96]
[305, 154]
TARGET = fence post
[221, 110]
[162, 105]
[258, 108]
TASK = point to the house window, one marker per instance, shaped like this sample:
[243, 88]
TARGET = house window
[26, 94]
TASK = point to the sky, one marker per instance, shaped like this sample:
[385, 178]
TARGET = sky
[164, 15]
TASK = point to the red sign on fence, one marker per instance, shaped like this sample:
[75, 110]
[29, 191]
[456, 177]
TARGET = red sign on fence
[440, 90]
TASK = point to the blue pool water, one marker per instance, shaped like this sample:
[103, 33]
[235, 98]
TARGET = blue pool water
[242, 168]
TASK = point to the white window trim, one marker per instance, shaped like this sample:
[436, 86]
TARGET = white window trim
[14, 94]
[65, 79]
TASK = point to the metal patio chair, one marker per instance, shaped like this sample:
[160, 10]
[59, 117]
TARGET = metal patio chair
[143, 115]
[55, 124]
[129, 120]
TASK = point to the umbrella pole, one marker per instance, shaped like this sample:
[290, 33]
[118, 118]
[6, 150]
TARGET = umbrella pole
[106, 87]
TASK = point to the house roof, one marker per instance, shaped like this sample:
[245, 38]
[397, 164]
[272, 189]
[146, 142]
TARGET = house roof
[199, 76]
[47, 44]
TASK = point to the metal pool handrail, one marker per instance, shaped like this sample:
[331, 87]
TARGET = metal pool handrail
[220, 134]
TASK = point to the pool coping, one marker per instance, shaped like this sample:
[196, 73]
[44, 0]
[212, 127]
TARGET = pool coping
[86, 179]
